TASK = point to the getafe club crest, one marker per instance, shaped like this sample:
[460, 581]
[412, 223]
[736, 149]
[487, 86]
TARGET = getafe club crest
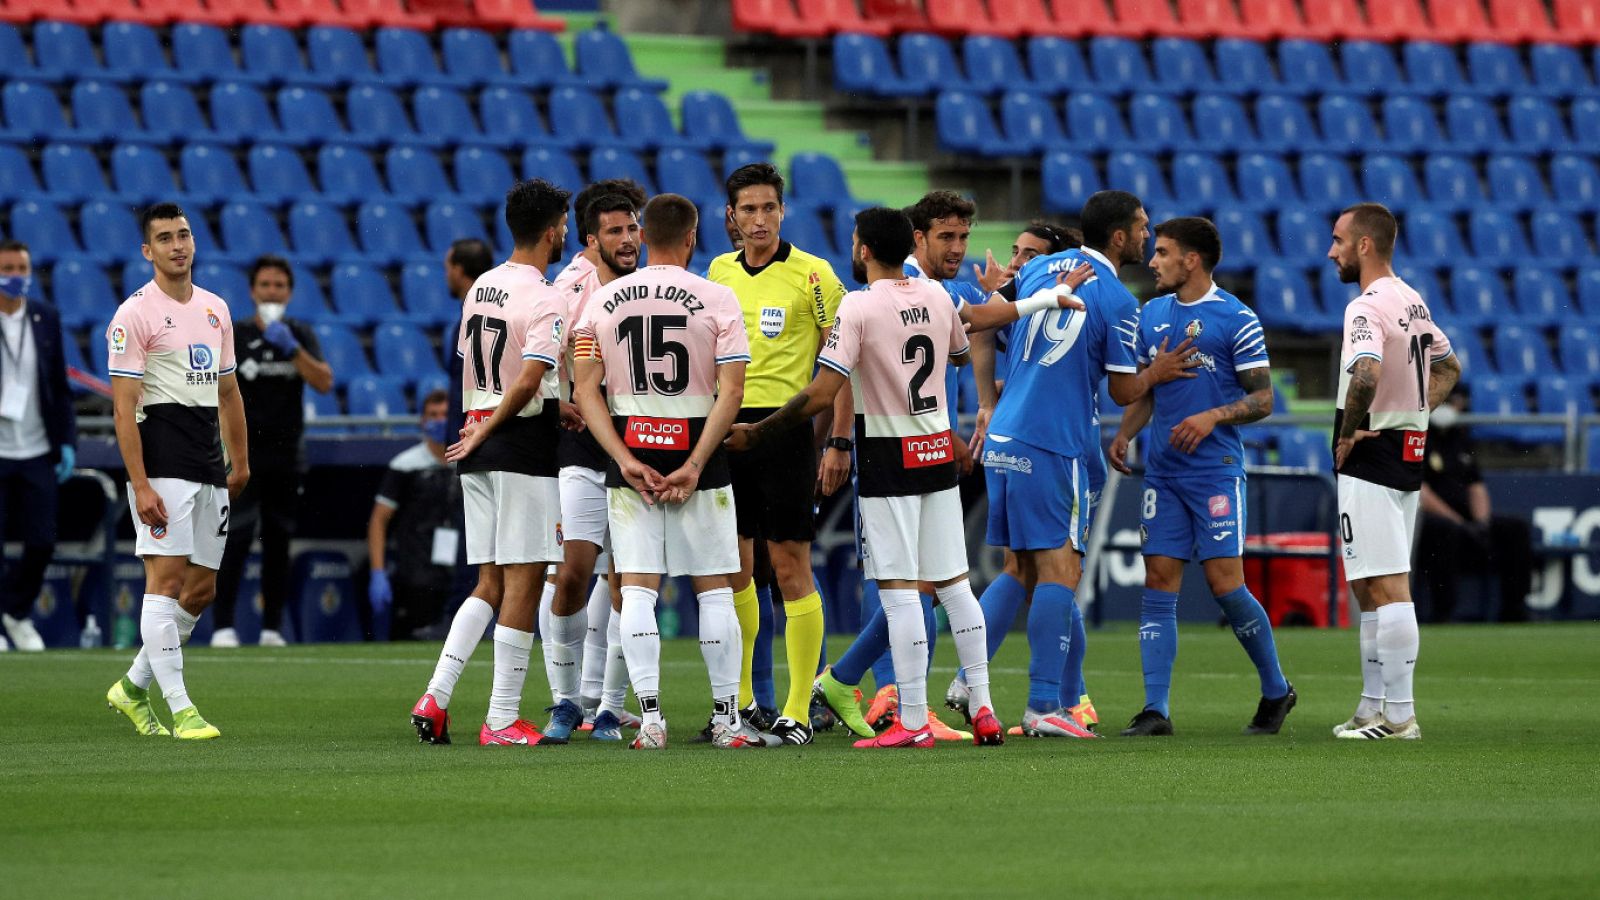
[1193, 329]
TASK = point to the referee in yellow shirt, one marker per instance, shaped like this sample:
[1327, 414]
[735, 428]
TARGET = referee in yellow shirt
[789, 299]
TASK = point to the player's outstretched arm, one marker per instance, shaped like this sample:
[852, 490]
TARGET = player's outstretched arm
[517, 396]
[1254, 406]
[235, 437]
[124, 406]
[1357, 401]
[813, 399]
[1442, 377]
[982, 355]
[1134, 419]
[1164, 366]
[986, 316]
[677, 486]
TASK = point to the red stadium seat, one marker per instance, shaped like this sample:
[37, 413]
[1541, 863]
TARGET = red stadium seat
[1087, 18]
[1338, 19]
[83, 12]
[775, 17]
[842, 17]
[1212, 19]
[446, 13]
[1032, 17]
[899, 15]
[515, 15]
[1457, 21]
[1399, 20]
[385, 14]
[1578, 20]
[958, 18]
[1277, 19]
[1144, 18]
[166, 12]
[1522, 21]
[300, 13]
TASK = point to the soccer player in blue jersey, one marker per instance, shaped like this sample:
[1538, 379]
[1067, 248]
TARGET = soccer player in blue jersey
[1193, 504]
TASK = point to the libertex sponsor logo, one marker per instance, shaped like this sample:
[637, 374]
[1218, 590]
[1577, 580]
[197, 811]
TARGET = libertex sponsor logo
[647, 433]
[922, 450]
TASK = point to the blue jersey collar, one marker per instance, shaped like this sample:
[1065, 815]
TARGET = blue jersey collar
[1209, 296]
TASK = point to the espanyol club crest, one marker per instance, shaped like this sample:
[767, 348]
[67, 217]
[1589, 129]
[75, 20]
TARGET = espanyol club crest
[212, 320]
[772, 318]
[1193, 329]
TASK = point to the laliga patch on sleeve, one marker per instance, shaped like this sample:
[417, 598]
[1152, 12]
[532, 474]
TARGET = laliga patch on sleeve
[118, 339]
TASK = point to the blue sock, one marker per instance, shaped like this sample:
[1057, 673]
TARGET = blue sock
[1072, 676]
[931, 620]
[761, 658]
[880, 662]
[1049, 631]
[1000, 602]
[867, 649]
[1254, 631]
[1158, 646]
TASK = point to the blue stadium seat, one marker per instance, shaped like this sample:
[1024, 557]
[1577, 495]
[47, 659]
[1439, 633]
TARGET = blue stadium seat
[249, 230]
[1410, 126]
[16, 175]
[1497, 239]
[273, 54]
[736, 158]
[1327, 183]
[1559, 238]
[1118, 66]
[472, 57]
[1055, 64]
[1477, 295]
[482, 175]
[239, 114]
[406, 58]
[511, 111]
[171, 115]
[1306, 67]
[1514, 183]
[1432, 69]
[1248, 69]
[226, 281]
[71, 173]
[321, 406]
[309, 119]
[1536, 126]
[1563, 397]
[319, 234]
[1426, 284]
[537, 60]
[1303, 238]
[370, 395]
[604, 60]
[554, 166]
[342, 351]
[202, 52]
[210, 174]
[415, 176]
[1559, 71]
[140, 174]
[133, 53]
[1390, 181]
[844, 226]
[101, 109]
[14, 60]
[1205, 181]
[1496, 396]
[83, 294]
[446, 222]
[1303, 449]
[1182, 64]
[387, 233]
[1575, 183]
[1141, 174]
[965, 125]
[423, 291]
[687, 172]
[1068, 179]
[1588, 292]
[277, 174]
[1452, 183]
[441, 111]
[1496, 69]
[63, 51]
[135, 272]
[1370, 69]
[927, 62]
[1520, 352]
[1335, 295]
[1468, 347]
[347, 174]
[1586, 122]
[1095, 123]
[650, 123]
[1224, 127]
[803, 228]
[1473, 125]
[309, 303]
[710, 114]
[992, 64]
[1541, 296]
[1578, 346]
[609, 162]
[361, 294]
[1265, 183]
[579, 119]
[1284, 126]
[1245, 242]
[1284, 299]
[861, 65]
[377, 113]
[1159, 122]
[404, 353]
[816, 178]
[1347, 125]
[1029, 121]
[34, 115]
[205, 242]
[339, 55]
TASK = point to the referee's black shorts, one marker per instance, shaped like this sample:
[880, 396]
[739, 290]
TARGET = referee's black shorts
[774, 485]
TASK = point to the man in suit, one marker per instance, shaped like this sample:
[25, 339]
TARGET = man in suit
[38, 436]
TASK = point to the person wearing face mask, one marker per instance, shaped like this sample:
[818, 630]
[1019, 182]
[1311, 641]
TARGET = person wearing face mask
[37, 436]
[412, 533]
[1460, 530]
[277, 358]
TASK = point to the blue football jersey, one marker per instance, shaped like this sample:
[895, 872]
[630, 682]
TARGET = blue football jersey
[1057, 357]
[1227, 336]
[959, 291]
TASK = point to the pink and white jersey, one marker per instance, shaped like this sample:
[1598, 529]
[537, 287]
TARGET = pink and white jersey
[661, 333]
[1391, 323]
[894, 340]
[179, 350]
[578, 282]
[511, 315]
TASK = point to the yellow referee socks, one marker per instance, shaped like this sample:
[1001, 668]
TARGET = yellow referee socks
[802, 641]
[744, 606]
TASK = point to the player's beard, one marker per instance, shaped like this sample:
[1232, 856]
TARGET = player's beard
[858, 269]
[618, 268]
[555, 254]
[1350, 273]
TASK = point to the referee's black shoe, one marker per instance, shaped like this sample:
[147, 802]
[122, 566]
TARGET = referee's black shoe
[1148, 723]
[1271, 713]
[790, 731]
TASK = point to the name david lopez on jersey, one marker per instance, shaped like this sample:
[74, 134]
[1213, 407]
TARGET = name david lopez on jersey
[668, 292]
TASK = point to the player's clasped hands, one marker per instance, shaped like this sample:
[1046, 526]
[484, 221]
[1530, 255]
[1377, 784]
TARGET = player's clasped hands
[471, 437]
[644, 479]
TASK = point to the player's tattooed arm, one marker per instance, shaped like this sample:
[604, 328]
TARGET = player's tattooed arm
[816, 397]
[1358, 398]
[1442, 377]
[1253, 407]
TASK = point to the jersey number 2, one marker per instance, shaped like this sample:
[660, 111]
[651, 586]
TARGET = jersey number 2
[476, 326]
[646, 337]
[918, 351]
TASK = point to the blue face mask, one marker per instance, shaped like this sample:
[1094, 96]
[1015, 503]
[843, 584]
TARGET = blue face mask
[15, 285]
[436, 430]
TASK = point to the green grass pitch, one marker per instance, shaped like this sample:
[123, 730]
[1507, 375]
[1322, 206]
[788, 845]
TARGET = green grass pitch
[319, 788]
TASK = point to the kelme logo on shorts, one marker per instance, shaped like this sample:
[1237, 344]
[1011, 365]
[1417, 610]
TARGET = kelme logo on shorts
[648, 433]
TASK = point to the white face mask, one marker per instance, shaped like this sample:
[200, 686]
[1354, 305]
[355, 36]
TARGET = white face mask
[270, 312]
[1445, 416]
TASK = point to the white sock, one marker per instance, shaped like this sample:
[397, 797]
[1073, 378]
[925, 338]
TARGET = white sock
[614, 690]
[547, 642]
[1371, 673]
[140, 672]
[972, 643]
[641, 644]
[566, 651]
[908, 647]
[721, 647]
[594, 642]
[158, 627]
[466, 630]
[1397, 654]
[511, 651]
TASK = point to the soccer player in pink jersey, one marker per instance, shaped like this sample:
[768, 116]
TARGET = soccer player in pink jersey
[512, 325]
[1395, 367]
[671, 349]
[173, 392]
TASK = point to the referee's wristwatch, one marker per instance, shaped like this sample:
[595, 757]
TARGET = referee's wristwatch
[839, 443]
